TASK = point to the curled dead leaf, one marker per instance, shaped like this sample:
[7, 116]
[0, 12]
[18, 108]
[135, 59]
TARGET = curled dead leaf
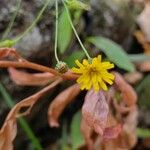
[141, 39]
[28, 79]
[87, 132]
[112, 132]
[60, 102]
[133, 77]
[144, 66]
[129, 95]
[9, 129]
[95, 111]
[144, 22]
[5, 52]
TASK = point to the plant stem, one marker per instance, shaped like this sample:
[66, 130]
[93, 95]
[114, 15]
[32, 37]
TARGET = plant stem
[75, 32]
[34, 22]
[7, 31]
[24, 125]
[56, 30]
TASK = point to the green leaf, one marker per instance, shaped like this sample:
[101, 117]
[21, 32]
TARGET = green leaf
[143, 133]
[114, 52]
[7, 43]
[143, 92]
[139, 57]
[76, 4]
[64, 32]
[77, 138]
[71, 59]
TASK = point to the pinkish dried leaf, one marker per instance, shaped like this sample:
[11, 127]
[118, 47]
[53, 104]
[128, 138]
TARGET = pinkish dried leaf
[95, 111]
[129, 95]
[87, 132]
[133, 77]
[28, 79]
[112, 132]
[60, 102]
[9, 129]
[5, 52]
[144, 66]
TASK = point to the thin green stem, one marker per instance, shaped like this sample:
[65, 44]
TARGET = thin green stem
[24, 125]
[56, 30]
[75, 32]
[34, 22]
[7, 31]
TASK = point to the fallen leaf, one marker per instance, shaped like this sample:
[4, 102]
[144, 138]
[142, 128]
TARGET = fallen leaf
[5, 52]
[133, 77]
[144, 66]
[141, 39]
[9, 129]
[60, 102]
[87, 132]
[144, 22]
[129, 95]
[28, 79]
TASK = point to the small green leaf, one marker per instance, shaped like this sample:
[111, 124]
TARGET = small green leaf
[7, 43]
[114, 52]
[64, 32]
[71, 59]
[77, 138]
[143, 92]
[143, 133]
[76, 4]
[139, 57]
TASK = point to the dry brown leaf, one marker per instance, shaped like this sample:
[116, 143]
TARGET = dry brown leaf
[133, 77]
[141, 39]
[144, 66]
[23, 63]
[9, 129]
[95, 111]
[5, 52]
[144, 21]
[126, 140]
[87, 132]
[112, 132]
[129, 95]
[28, 79]
[60, 102]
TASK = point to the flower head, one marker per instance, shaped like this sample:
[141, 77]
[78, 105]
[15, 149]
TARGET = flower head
[94, 74]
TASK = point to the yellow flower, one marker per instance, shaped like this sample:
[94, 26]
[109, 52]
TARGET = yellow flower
[94, 74]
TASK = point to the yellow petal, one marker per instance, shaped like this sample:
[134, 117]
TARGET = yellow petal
[107, 65]
[85, 62]
[99, 58]
[79, 64]
[103, 85]
[76, 70]
[108, 80]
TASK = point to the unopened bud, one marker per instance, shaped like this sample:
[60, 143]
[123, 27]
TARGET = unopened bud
[61, 67]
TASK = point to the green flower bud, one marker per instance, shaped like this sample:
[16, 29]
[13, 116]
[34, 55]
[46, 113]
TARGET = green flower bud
[61, 67]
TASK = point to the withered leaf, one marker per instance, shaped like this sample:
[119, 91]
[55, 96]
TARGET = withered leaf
[144, 22]
[60, 102]
[144, 66]
[112, 132]
[133, 77]
[87, 132]
[28, 79]
[5, 52]
[129, 95]
[141, 39]
[95, 111]
[9, 129]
